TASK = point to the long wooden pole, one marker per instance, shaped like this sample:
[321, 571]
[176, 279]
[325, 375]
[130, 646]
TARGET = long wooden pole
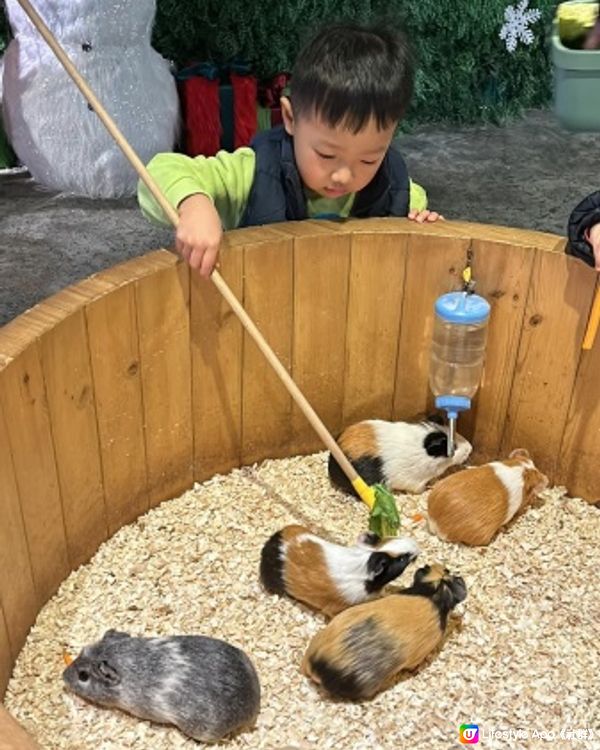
[364, 491]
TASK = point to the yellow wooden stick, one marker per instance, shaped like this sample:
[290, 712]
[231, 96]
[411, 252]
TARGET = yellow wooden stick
[593, 322]
[365, 492]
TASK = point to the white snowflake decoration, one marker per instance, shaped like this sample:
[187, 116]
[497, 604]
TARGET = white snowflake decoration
[516, 26]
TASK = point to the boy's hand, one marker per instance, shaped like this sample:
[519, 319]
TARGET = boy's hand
[595, 243]
[426, 215]
[199, 233]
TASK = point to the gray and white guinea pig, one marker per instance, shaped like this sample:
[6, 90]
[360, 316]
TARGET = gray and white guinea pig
[204, 686]
[472, 505]
[363, 649]
[329, 577]
[404, 456]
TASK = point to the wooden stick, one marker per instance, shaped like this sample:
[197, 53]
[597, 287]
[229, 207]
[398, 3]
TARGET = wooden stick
[365, 492]
[593, 322]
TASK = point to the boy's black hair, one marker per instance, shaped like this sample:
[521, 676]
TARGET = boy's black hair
[347, 74]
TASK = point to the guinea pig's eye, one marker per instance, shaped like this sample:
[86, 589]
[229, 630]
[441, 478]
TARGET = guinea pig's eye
[83, 675]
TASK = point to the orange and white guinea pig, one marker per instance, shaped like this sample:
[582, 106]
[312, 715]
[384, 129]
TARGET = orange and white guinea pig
[404, 456]
[362, 650]
[472, 505]
[329, 577]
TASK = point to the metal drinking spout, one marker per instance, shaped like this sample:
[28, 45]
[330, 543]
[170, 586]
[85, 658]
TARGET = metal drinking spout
[451, 435]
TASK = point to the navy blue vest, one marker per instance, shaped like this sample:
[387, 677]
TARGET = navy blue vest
[583, 217]
[277, 193]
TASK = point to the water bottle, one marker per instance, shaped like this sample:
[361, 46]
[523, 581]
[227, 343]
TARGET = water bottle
[457, 353]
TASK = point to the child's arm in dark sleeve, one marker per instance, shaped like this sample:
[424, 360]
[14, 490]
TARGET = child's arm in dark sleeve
[584, 216]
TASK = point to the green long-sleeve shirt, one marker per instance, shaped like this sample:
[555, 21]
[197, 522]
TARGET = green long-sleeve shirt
[227, 180]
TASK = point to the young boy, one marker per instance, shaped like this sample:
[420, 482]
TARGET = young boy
[584, 230]
[333, 156]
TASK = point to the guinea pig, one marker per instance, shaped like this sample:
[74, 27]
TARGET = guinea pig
[471, 505]
[363, 649]
[329, 577]
[404, 456]
[204, 686]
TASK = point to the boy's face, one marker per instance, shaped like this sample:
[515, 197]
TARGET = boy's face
[335, 161]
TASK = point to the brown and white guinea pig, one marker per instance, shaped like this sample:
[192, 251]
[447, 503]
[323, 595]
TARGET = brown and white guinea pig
[362, 650]
[404, 456]
[329, 577]
[471, 505]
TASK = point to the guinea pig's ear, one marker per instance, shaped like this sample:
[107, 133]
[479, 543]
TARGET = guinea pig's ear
[435, 418]
[368, 539]
[436, 444]
[519, 453]
[106, 673]
[421, 574]
[114, 635]
[458, 588]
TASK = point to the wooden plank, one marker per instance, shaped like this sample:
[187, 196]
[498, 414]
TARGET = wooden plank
[71, 402]
[24, 402]
[560, 296]
[12, 734]
[322, 264]
[580, 450]
[377, 272]
[434, 266]
[18, 333]
[26, 328]
[164, 329]
[217, 343]
[502, 273]
[115, 358]
[268, 296]
[6, 657]
[17, 591]
[450, 229]
[251, 235]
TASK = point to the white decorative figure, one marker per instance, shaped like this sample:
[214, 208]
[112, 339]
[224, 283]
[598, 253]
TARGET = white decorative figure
[516, 24]
[48, 122]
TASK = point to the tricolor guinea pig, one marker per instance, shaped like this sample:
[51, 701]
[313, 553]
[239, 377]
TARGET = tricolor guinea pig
[472, 505]
[204, 686]
[363, 649]
[404, 456]
[329, 577]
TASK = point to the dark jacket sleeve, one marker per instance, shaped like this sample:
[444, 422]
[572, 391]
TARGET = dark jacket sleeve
[584, 216]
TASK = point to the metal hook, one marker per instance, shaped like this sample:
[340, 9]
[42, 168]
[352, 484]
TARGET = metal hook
[467, 274]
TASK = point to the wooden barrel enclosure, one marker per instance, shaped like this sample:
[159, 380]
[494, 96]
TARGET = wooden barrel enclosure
[121, 391]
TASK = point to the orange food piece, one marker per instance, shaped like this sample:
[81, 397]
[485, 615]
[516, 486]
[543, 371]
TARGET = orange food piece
[67, 658]
[418, 517]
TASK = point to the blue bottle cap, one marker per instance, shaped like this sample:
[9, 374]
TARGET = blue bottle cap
[460, 307]
[453, 404]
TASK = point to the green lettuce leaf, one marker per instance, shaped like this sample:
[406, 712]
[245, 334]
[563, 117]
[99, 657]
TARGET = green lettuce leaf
[384, 519]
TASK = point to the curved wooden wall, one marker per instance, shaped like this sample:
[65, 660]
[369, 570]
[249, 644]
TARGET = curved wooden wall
[120, 391]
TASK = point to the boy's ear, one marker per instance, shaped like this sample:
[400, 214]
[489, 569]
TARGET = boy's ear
[287, 114]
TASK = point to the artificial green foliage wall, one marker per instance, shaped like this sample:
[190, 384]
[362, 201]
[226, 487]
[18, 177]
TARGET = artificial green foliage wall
[4, 30]
[465, 73]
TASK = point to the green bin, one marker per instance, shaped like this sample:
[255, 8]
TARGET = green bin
[576, 85]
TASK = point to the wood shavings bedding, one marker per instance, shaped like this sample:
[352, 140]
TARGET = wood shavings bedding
[521, 653]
